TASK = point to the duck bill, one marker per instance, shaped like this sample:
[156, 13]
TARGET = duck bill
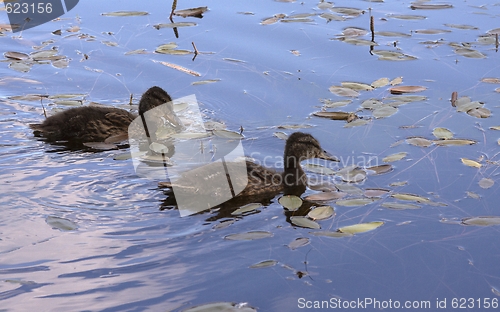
[327, 156]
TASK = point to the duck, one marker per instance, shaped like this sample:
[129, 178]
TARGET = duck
[261, 183]
[99, 124]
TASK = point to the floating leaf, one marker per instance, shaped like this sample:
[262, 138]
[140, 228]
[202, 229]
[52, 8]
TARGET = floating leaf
[158, 147]
[417, 141]
[226, 134]
[246, 208]
[336, 115]
[399, 206]
[376, 192]
[479, 112]
[16, 55]
[332, 17]
[125, 13]
[396, 81]
[410, 197]
[481, 221]
[407, 17]
[406, 89]
[352, 175]
[385, 55]
[194, 12]
[380, 169]
[304, 222]
[384, 111]
[486, 183]
[174, 25]
[355, 202]
[442, 133]
[320, 213]
[354, 31]
[252, 235]
[290, 202]
[61, 223]
[356, 86]
[347, 11]
[381, 82]
[432, 31]
[456, 142]
[429, 6]
[318, 169]
[202, 82]
[341, 91]
[469, 53]
[491, 80]
[470, 163]
[360, 227]
[461, 26]
[357, 123]
[179, 68]
[330, 234]
[395, 157]
[325, 196]
[281, 135]
[263, 264]
[299, 242]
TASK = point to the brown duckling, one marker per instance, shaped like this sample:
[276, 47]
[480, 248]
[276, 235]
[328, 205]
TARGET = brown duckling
[95, 123]
[262, 182]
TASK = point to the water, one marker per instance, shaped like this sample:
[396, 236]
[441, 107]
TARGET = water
[128, 255]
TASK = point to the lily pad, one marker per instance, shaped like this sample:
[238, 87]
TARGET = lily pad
[342, 91]
[299, 242]
[252, 235]
[125, 13]
[481, 221]
[399, 206]
[264, 264]
[395, 157]
[486, 183]
[407, 89]
[470, 163]
[290, 202]
[384, 111]
[246, 208]
[361, 227]
[355, 202]
[62, 224]
[410, 197]
[325, 196]
[418, 141]
[304, 222]
[442, 133]
[320, 213]
[456, 142]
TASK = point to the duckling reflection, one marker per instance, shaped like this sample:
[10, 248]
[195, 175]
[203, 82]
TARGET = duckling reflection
[101, 124]
[263, 183]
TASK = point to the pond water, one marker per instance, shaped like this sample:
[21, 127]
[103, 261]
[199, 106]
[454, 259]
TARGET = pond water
[126, 254]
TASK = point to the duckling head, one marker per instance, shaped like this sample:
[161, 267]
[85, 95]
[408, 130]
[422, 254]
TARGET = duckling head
[155, 96]
[300, 146]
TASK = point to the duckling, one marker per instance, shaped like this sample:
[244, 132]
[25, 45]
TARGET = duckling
[262, 182]
[96, 124]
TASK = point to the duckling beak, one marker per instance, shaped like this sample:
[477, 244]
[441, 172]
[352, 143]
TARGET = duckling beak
[327, 156]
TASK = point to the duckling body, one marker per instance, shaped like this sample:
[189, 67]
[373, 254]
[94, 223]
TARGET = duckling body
[95, 123]
[263, 182]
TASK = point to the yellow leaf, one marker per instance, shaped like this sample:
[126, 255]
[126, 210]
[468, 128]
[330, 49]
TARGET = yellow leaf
[470, 163]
